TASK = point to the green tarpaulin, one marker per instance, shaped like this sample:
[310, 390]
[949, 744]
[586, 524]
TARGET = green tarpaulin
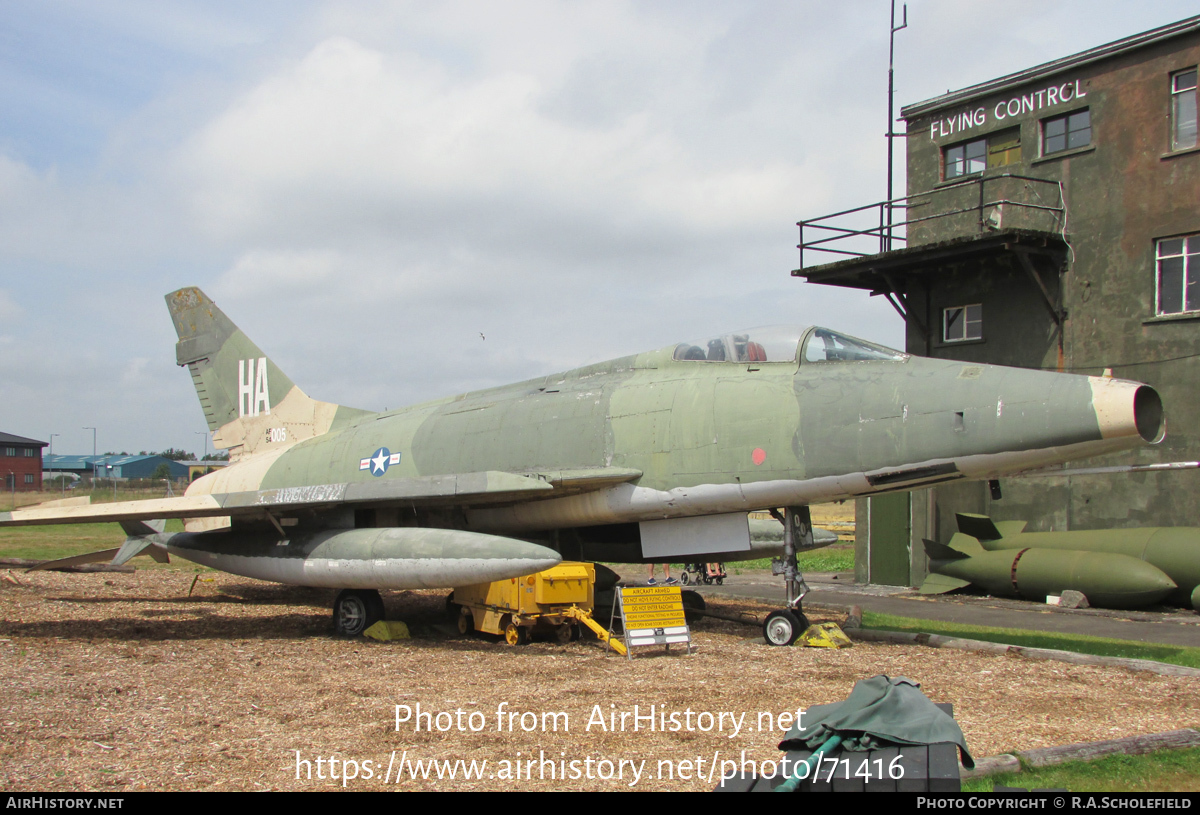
[880, 712]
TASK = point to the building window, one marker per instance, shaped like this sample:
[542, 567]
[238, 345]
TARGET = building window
[965, 159]
[1067, 132]
[995, 150]
[30, 452]
[1178, 261]
[962, 323]
[28, 478]
[1183, 110]
[11, 452]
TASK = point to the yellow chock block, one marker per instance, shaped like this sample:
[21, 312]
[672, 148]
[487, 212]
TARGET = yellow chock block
[824, 635]
[388, 630]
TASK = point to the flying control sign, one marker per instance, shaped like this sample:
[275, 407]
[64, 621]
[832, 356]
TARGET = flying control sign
[653, 615]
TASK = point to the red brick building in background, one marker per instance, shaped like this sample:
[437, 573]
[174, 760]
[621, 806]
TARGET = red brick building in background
[21, 463]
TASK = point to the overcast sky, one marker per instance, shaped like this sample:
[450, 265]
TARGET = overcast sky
[366, 188]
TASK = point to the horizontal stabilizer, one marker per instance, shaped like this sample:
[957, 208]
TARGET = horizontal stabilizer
[77, 560]
[939, 551]
[76, 501]
[941, 584]
[977, 526]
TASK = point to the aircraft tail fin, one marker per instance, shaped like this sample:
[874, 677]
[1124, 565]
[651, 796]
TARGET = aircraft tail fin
[251, 406]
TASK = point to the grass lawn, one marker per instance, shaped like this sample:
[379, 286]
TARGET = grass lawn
[1098, 646]
[836, 558]
[1164, 771]
[65, 540]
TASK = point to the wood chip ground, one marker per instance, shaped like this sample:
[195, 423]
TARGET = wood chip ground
[121, 682]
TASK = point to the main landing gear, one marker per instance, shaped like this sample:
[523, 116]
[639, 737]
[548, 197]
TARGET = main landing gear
[356, 610]
[784, 626]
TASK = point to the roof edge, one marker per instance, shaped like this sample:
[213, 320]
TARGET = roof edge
[1056, 66]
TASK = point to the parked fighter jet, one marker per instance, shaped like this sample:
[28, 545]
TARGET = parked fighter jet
[1114, 568]
[652, 457]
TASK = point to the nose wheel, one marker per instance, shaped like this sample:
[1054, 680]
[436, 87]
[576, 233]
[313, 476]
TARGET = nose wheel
[784, 626]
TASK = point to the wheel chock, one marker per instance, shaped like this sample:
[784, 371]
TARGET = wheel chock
[823, 635]
[387, 631]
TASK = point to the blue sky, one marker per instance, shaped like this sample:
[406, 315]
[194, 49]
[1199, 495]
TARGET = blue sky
[367, 187]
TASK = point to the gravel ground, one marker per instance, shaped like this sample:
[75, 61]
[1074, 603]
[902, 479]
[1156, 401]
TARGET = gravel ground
[120, 682]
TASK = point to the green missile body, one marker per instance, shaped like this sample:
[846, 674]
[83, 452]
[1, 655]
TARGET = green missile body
[1174, 550]
[1108, 580]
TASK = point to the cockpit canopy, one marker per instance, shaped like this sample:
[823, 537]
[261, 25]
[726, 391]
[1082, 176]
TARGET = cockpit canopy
[779, 343]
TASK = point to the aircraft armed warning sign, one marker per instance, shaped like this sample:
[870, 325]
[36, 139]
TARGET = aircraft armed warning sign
[653, 615]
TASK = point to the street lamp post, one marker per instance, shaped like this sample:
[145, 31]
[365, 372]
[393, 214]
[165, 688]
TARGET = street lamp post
[93, 456]
[64, 484]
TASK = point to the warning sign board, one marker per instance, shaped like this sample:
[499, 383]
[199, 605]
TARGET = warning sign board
[653, 615]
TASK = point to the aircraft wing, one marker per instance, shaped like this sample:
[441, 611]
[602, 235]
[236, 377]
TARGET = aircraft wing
[459, 489]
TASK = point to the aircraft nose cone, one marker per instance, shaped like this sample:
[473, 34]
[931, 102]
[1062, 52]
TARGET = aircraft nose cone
[1125, 408]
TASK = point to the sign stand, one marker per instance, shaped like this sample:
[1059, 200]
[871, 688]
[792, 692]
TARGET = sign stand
[653, 615]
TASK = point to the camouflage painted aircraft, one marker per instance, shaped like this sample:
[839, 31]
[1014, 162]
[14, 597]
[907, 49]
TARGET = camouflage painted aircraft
[652, 457]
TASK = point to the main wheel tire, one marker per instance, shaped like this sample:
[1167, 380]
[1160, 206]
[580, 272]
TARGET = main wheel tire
[782, 627]
[378, 610]
[356, 610]
[562, 634]
[693, 605]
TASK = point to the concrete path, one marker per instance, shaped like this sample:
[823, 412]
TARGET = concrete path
[1171, 627]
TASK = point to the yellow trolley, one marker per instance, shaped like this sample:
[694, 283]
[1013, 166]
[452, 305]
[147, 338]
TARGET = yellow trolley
[555, 601]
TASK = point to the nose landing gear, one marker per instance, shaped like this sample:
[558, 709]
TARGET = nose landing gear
[784, 626]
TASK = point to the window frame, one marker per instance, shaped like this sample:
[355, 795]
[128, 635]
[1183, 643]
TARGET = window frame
[964, 160]
[987, 148]
[1178, 94]
[967, 323]
[1065, 118]
[1189, 249]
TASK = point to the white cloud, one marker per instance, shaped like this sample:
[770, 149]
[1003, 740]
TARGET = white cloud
[10, 311]
[367, 187]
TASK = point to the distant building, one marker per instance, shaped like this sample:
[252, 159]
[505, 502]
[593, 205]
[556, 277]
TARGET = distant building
[196, 469]
[1052, 220]
[118, 467]
[21, 463]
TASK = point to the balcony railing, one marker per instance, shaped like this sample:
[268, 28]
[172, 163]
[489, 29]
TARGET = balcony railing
[969, 207]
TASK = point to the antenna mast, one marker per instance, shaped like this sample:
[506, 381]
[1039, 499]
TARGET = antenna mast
[891, 116]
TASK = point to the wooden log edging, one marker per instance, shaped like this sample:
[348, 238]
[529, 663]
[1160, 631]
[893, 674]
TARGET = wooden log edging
[1088, 751]
[938, 641]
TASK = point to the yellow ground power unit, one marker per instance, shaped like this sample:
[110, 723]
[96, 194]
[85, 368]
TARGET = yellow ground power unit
[555, 602]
